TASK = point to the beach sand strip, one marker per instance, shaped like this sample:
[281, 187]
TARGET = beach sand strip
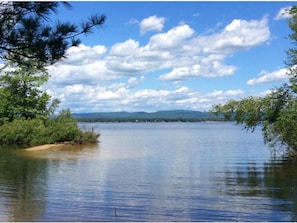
[43, 147]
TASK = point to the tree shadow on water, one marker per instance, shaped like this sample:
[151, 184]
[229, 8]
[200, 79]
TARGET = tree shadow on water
[22, 187]
[274, 181]
[24, 179]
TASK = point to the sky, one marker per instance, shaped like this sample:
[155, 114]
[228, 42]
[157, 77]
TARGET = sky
[152, 56]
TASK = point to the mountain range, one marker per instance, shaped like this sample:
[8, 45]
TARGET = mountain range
[167, 116]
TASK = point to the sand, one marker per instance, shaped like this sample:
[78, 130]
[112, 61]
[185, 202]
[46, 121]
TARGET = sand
[43, 147]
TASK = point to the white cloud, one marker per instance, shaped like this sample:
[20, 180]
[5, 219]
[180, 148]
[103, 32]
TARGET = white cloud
[128, 48]
[207, 60]
[283, 13]
[177, 73]
[175, 37]
[266, 77]
[108, 79]
[182, 90]
[133, 81]
[152, 23]
[74, 89]
[178, 49]
[224, 94]
[84, 54]
[238, 35]
[213, 69]
[129, 58]
[126, 96]
[132, 21]
[125, 99]
[85, 73]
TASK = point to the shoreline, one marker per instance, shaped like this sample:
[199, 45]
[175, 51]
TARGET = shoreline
[44, 147]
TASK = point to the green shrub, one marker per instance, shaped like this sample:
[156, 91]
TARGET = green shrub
[19, 132]
[87, 137]
[38, 131]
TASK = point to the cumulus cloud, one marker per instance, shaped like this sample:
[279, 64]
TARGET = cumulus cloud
[129, 58]
[83, 64]
[236, 36]
[99, 78]
[84, 54]
[152, 23]
[171, 39]
[126, 95]
[207, 60]
[266, 77]
[85, 73]
[283, 13]
[205, 70]
[178, 49]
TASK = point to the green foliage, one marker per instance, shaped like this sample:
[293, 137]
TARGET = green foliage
[276, 112]
[18, 132]
[21, 95]
[284, 129]
[292, 52]
[29, 41]
[31, 132]
[25, 110]
[248, 111]
[27, 33]
[64, 128]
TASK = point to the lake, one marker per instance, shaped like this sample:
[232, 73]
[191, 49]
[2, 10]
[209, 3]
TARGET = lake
[207, 171]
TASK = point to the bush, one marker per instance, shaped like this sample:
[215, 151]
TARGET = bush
[19, 131]
[38, 131]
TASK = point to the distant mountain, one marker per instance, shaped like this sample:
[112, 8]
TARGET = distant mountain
[159, 116]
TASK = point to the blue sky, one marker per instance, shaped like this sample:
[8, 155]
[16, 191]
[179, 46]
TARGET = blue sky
[152, 56]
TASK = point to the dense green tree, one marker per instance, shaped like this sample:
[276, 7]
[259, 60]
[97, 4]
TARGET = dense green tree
[29, 41]
[21, 95]
[26, 32]
[276, 112]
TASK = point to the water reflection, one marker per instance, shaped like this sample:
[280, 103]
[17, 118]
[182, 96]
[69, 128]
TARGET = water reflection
[151, 172]
[23, 188]
[24, 179]
[64, 152]
[275, 180]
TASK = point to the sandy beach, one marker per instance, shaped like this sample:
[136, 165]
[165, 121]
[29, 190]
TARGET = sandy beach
[44, 147]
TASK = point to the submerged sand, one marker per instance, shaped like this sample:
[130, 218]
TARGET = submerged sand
[44, 147]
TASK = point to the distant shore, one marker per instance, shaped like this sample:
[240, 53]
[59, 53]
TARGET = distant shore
[159, 116]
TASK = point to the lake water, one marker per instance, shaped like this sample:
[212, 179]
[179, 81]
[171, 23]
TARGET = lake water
[209, 171]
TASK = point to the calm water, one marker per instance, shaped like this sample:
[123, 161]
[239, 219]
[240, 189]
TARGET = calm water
[151, 172]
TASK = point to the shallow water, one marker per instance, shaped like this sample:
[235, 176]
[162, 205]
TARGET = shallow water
[151, 172]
